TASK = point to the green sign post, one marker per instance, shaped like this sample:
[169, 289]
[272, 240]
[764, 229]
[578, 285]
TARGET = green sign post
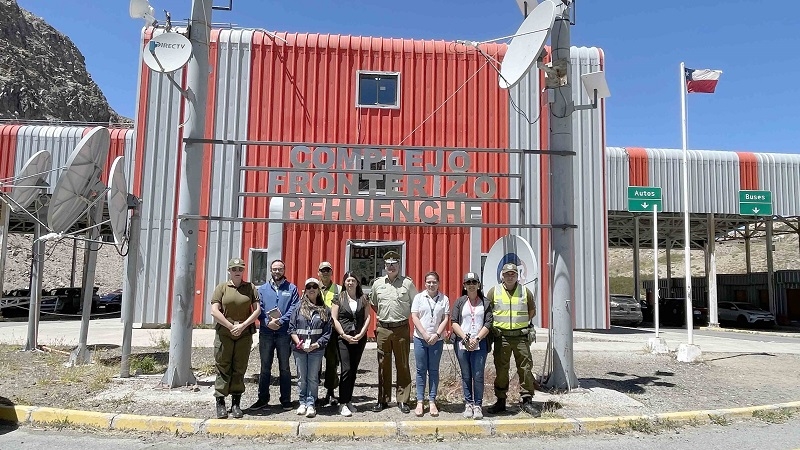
[642, 198]
[755, 203]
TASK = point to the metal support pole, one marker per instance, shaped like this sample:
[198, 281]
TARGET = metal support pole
[711, 251]
[74, 259]
[687, 238]
[656, 306]
[37, 267]
[748, 264]
[129, 293]
[179, 369]
[669, 267]
[81, 355]
[636, 282]
[562, 210]
[770, 271]
[5, 211]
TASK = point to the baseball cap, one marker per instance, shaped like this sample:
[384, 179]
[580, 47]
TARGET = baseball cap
[325, 265]
[310, 281]
[391, 257]
[510, 267]
[235, 262]
[471, 276]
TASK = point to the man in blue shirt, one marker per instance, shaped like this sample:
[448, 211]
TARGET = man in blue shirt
[279, 299]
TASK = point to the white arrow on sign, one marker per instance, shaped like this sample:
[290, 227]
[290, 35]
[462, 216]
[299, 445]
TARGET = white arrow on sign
[645, 205]
[756, 210]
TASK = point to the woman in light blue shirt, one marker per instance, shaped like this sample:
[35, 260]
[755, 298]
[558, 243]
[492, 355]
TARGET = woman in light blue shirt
[430, 312]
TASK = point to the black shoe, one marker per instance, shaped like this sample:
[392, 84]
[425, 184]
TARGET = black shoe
[380, 406]
[498, 407]
[236, 409]
[331, 399]
[403, 407]
[222, 411]
[286, 406]
[259, 404]
[528, 407]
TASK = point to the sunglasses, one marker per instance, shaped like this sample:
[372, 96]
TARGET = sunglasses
[312, 286]
[326, 270]
[471, 282]
[237, 269]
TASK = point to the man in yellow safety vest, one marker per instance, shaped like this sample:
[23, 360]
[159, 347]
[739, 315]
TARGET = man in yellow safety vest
[330, 293]
[514, 308]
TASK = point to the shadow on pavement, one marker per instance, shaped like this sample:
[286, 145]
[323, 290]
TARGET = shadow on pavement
[6, 426]
[626, 383]
[740, 355]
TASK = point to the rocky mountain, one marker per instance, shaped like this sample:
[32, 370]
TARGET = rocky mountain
[43, 75]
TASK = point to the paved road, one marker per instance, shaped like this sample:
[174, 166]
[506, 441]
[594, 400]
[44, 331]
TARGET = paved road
[755, 435]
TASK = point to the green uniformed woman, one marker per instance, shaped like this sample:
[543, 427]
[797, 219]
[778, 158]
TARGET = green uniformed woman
[235, 307]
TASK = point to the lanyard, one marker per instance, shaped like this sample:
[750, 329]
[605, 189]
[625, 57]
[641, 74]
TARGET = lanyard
[432, 307]
[471, 313]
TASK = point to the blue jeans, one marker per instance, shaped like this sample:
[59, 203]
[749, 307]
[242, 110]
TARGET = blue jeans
[427, 358]
[472, 365]
[308, 365]
[268, 344]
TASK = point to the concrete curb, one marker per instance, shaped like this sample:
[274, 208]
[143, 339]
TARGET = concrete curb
[68, 418]
[754, 332]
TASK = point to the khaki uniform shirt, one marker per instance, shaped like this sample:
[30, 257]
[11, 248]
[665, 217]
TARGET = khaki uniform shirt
[236, 303]
[392, 300]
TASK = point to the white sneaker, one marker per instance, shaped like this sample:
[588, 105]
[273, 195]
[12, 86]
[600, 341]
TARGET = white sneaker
[468, 411]
[477, 413]
[345, 411]
[311, 412]
[352, 407]
[301, 410]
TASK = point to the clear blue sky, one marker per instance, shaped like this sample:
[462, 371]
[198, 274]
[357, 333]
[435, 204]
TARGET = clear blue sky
[755, 107]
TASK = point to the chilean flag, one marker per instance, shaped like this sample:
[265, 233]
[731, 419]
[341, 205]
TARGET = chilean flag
[701, 80]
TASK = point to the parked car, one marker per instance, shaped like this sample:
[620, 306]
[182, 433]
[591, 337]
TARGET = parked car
[67, 301]
[625, 310]
[744, 314]
[110, 302]
[672, 312]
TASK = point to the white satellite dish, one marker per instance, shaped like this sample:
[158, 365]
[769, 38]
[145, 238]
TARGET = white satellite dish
[510, 249]
[141, 9]
[527, 44]
[28, 183]
[118, 200]
[77, 185]
[167, 52]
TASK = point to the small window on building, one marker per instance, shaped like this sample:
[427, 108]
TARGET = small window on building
[377, 89]
[259, 272]
[365, 259]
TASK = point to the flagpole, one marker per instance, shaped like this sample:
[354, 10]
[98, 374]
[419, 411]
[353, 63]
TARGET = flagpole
[686, 235]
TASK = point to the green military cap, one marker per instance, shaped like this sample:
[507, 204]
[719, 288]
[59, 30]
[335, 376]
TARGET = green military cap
[235, 262]
[510, 267]
[391, 257]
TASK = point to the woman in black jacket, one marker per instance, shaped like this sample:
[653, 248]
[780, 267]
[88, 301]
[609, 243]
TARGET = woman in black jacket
[350, 313]
[471, 319]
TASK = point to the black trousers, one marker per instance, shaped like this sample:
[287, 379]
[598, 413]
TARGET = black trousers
[350, 357]
[331, 365]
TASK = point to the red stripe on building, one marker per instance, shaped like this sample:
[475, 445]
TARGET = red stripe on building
[141, 120]
[116, 149]
[748, 171]
[8, 151]
[637, 167]
[205, 190]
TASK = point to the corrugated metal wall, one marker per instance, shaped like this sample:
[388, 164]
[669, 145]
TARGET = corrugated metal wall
[447, 99]
[781, 175]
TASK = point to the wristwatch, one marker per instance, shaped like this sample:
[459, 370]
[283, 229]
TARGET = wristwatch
[477, 338]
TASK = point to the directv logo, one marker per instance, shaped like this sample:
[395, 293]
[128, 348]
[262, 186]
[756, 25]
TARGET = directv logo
[153, 45]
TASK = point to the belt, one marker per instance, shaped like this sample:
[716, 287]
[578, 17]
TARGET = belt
[518, 332]
[392, 324]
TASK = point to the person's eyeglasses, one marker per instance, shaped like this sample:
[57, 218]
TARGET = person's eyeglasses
[275, 269]
[312, 286]
[326, 270]
[237, 269]
[471, 282]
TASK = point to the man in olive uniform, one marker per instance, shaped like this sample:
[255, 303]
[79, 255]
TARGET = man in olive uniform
[330, 292]
[391, 298]
[514, 308]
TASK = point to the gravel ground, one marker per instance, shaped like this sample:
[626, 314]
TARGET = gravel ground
[612, 383]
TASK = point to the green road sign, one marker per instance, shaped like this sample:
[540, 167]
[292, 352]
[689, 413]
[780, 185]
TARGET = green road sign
[755, 203]
[642, 198]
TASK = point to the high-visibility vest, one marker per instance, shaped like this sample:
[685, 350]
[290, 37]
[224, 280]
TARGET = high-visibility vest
[329, 294]
[510, 311]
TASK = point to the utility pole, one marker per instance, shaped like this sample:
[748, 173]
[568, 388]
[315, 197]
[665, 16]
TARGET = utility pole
[562, 205]
[179, 370]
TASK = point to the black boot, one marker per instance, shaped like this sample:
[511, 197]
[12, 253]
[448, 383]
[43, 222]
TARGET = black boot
[498, 407]
[236, 409]
[222, 411]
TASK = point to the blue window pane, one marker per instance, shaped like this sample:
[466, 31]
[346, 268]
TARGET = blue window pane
[368, 90]
[377, 90]
[387, 91]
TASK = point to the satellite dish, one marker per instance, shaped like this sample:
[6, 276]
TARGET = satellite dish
[118, 200]
[28, 183]
[76, 187]
[167, 52]
[141, 9]
[527, 44]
